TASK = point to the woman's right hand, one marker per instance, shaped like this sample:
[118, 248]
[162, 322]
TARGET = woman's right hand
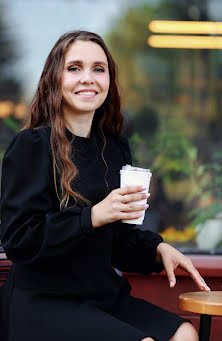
[118, 206]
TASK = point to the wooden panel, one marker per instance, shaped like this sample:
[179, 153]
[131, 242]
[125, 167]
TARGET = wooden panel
[155, 289]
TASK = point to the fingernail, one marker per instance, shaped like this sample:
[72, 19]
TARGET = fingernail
[147, 205]
[205, 286]
[171, 284]
[144, 188]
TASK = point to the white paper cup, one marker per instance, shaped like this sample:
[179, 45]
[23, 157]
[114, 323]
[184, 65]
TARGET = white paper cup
[133, 177]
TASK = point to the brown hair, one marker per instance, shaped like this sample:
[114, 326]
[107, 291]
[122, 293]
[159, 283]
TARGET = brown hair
[46, 109]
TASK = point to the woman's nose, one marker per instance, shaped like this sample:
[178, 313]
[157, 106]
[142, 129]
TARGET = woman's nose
[87, 77]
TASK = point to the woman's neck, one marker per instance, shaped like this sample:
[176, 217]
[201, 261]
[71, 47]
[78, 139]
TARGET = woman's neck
[79, 126]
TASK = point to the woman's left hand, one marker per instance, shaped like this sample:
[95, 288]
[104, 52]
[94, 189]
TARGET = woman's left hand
[171, 259]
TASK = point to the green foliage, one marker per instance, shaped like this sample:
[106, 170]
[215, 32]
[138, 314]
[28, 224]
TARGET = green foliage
[129, 32]
[212, 192]
[209, 212]
[174, 100]
[10, 122]
[175, 156]
[1, 155]
[219, 245]
[216, 175]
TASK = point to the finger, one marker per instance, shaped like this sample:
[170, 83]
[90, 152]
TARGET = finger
[171, 276]
[133, 208]
[204, 285]
[200, 282]
[195, 275]
[134, 197]
[198, 279]
[131, 189]
[129, 216]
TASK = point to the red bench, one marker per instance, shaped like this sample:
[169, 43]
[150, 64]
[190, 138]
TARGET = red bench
[155, 288]
[5, 265]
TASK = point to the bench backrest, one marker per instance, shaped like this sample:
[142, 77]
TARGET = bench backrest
[5, 265]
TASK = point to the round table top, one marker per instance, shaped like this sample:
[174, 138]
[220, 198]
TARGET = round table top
[201, 302]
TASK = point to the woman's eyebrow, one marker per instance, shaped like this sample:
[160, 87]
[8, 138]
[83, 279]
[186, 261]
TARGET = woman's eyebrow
[81, 62]
[100, 62]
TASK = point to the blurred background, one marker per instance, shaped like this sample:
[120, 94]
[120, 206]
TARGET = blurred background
[170, 79]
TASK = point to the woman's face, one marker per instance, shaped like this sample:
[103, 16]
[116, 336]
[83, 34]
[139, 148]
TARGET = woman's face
[85, 78]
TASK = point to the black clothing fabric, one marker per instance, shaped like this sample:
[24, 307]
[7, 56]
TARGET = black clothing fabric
[63, 283]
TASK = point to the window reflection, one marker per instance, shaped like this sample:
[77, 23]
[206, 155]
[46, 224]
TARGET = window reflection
[171, 99]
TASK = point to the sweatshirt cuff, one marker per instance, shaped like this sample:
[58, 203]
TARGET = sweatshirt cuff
[158, 267]
[150, 253]
[86, 221]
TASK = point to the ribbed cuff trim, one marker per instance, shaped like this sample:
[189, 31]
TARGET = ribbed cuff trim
[86, 221]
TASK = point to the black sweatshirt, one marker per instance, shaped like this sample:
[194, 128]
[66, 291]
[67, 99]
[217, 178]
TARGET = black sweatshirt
[58, 250]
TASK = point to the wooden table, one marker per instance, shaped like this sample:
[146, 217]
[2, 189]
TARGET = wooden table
[204, 303]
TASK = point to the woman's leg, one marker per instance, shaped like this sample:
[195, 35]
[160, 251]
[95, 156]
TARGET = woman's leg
[186, 332]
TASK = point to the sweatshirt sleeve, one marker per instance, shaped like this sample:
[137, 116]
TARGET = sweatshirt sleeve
[134, 250]
[32, 229]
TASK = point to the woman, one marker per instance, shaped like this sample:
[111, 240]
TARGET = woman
[61, 208]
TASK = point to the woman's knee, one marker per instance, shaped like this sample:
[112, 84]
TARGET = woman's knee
[148, 339]
[186, 332]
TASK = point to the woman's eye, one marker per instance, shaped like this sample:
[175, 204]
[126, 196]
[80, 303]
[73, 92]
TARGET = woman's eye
[99, 69]
[73, 68]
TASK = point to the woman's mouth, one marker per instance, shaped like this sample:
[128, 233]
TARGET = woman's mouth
[87, 94]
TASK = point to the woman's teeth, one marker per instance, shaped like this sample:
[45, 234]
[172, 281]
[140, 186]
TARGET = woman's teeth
[89, 93]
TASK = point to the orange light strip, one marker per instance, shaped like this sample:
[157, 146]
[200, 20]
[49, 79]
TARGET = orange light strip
[184, 42]
[187, 27]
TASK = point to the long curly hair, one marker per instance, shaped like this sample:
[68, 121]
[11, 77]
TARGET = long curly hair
[46, 109]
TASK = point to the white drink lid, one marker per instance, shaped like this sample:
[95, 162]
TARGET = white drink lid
[134, 169]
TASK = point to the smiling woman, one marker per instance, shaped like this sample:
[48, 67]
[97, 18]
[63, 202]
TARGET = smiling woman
[84, 85]
[62, 207]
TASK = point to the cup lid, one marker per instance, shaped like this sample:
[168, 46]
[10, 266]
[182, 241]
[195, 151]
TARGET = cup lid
[135, 169]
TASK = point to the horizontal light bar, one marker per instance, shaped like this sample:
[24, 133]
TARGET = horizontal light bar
[184, 42]
[187, 27]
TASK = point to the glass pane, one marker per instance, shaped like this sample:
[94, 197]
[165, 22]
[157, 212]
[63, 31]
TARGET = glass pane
[171, 99]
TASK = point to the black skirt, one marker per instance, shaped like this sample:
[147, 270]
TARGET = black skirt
[48, 316]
